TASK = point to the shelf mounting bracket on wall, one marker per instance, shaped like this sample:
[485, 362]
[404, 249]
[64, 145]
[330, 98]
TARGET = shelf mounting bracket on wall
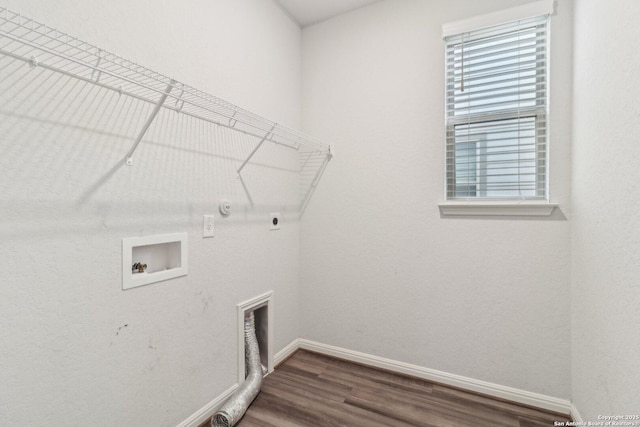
[264, 138]
[154, 113]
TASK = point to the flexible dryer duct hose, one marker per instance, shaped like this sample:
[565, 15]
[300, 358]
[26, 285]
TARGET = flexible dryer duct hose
[234, 408]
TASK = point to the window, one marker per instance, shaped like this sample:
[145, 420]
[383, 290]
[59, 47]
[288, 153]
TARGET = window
[496, 112]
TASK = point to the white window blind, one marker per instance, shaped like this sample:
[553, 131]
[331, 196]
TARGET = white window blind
[496, 112]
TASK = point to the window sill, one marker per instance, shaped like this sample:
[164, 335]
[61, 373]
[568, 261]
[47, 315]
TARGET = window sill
[476, 208]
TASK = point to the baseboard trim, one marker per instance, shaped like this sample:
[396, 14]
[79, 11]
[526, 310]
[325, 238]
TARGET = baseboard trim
[208, 410]
[502, 392]
[286, 352]
[508, 393]
[575, 415]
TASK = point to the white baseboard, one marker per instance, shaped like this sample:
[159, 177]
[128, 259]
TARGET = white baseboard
[575, 415]
[208, 410]
[508, 393]
[284, 354]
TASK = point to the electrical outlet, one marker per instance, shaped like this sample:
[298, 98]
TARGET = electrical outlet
[207, 226]
[275, 221]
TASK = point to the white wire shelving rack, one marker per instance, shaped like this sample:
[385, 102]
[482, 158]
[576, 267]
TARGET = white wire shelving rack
[27, 40]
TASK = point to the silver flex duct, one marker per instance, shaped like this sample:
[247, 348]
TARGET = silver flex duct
[234, 408]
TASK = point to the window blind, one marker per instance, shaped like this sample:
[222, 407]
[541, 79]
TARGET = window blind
[496, 112]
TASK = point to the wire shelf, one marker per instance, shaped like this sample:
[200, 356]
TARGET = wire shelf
[41, 46]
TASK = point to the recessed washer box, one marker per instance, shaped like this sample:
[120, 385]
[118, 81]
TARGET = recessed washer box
[165, 256]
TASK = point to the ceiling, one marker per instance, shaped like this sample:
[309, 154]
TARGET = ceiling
[308, 12]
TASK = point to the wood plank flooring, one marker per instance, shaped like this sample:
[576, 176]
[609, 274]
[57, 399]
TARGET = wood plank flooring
[314, 390]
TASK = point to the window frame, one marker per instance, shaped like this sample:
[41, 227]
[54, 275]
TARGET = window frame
[479, 204]
[515, 113]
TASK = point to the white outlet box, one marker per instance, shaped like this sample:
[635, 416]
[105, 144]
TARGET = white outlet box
[276, 220]
[207, 226]
[165, 256]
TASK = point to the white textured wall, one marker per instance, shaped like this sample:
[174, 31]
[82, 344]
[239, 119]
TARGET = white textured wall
[606, 200]
[75, 349]
[383, 273]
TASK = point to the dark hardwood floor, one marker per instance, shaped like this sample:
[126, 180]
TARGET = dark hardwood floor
[314, 390]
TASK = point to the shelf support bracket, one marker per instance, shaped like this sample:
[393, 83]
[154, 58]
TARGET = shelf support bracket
[154, 113]
[264, 138]
[314, 183]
